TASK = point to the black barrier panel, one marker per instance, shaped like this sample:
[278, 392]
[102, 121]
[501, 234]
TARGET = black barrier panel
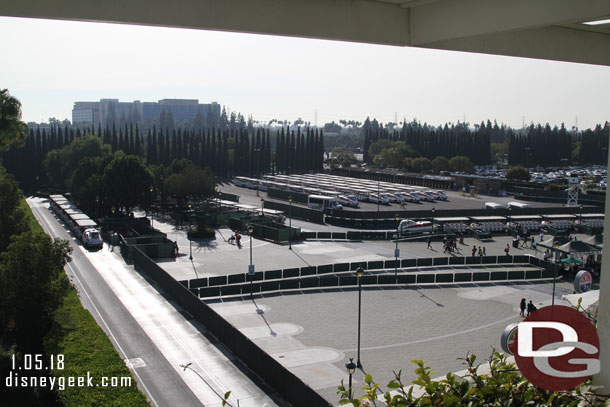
[505, 259]
[184, 283]
[310, 282]
[520, 258]
[199, 282]
[444, 277]
[270, 285]
[209, 292]
[218, 280]
[499, 275]
[489, 260]
[353, 235]
[254, 288]
[327, 268]
[535, 261]
[273, 274]
[308, 271]
[291, 273]
[516, 275]
[386, 279]
[456, 260]
[258, 276]
[348, 280]
[425, 278]
[230, 290]
[462, 277]
[337, 268]
[406, 279]
[354, 266]
[408, 263]
[532, 274]
[236, 278]
[547, 264]
[329, 281]
[440, 261]
[324, 235]
[195, 291]
[547, 273]
[289, 284]
[424, 262]
[375, 265]
[480, 276]
[473, 260]
[369, 279]
[339, 235]
[309, 235]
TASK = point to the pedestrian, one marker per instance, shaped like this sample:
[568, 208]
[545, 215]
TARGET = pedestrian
[534, 245]
[541, 235]
[402, 204]
[522, 306]
[547, 254]
[525, 240]
[530, 308]
[484, 251]
[238, 239]
[474, 250]
[507, 249]
[429, 242]
[480, 251]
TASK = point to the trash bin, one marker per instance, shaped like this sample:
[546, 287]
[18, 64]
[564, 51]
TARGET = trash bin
[515, 243]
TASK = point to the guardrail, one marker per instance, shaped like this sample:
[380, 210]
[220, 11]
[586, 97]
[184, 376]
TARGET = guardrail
[286, 383]
[380, 272]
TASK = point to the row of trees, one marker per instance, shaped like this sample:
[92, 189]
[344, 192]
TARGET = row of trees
[544, 146]
[226, 153]
[430, 142]
[594, 145]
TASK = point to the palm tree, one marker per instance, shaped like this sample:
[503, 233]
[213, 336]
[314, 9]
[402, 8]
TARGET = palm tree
[12, 130]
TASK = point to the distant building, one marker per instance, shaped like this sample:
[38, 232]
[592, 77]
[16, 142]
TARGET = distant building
[109, 111]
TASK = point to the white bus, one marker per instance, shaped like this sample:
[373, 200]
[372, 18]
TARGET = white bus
[323, 202]
[521, 205]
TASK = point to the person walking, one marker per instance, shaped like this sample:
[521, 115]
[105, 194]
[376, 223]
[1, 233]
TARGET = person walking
[507, 249]
[480, 251]
[541, 235]
[530, 308]
[474, 250]
[429, 242]
[523, 305]
[484, 251]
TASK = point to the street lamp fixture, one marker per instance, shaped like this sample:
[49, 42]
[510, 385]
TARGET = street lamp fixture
[217, 195]
[290, 222]
[360, 273]
[379, 160]
[251, 267]
[188, 235]
[263, 207]
[396, 250]
[432, 220]
[351, 368]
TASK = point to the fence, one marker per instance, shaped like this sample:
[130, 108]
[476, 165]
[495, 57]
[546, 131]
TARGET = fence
[398, 179]
[287, 384]
[380, 272]
[297, 212]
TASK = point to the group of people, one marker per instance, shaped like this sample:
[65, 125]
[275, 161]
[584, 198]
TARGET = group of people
[524, 242]
[450, 244]
[480, 251]
[529, 306]
[235, 239]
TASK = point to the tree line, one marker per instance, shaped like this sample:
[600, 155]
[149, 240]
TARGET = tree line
[226, 153]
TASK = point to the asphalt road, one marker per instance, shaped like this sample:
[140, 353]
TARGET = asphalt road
[157, 379]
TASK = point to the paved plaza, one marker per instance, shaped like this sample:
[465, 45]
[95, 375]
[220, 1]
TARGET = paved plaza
[314, 333]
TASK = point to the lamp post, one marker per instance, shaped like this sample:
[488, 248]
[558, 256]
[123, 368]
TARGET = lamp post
[251, 267]
[396, 251]
[432, 220]
[216, 189]
[359, 272]
[351, 368]
[188, 235]
[555, 273]
[263, 207]
[580, 226]
[151, 217]
[290, 222]
[379, 160]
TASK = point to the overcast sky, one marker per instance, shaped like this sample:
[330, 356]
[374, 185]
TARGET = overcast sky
[49, 65]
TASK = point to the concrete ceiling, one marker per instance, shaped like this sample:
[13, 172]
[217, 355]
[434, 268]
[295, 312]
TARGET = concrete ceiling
[545, 29]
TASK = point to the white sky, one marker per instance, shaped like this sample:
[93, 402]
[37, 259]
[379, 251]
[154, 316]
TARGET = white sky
[49, 65]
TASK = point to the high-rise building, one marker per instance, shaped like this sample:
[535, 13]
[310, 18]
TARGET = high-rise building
[107, 112]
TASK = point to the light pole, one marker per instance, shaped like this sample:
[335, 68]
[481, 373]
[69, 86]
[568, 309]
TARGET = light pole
[216, 189]
[351, 368]
[580, 226]
[379, 159]
[251, 267]
[432, 220]
[290, 222]
[396, 251]
[555, 273]
[188, 235]
[152, 221]
[263, 207]
[359, 272]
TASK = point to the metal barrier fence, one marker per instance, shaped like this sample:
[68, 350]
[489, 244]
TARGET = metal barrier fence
[383, 272]
[287, 384]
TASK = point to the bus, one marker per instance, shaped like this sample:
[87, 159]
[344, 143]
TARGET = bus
[521, 205]
[323, 202]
